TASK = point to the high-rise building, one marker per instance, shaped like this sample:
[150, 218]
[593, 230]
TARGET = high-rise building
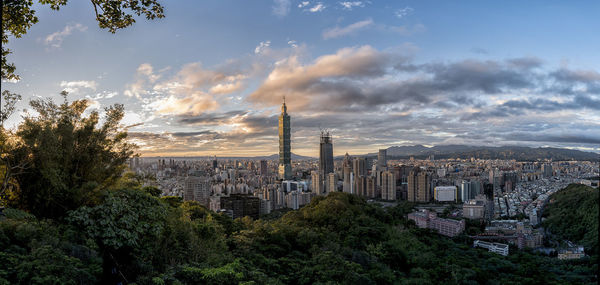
[325, 154]
[285, 147]
[371, 188]
[264, 168]
[547, 170]
[359, 166]
[317, 182]
[382, 159]
[332, 179]
[197, 188]
[215, 163]
[388, 185]
[348, 179]
[239, 205]
[419, 187]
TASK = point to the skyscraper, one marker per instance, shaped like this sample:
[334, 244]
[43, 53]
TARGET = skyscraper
[325, 155]
[388, 186]
[264, 168]
[382, 159]
[418, 187]
[285, 147]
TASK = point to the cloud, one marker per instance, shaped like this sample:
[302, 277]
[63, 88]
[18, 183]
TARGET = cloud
[75, 86]
[262, 46]
[303, 4]
[55, 39]
[401, 13]
[337, 32]
[319, 7]
[281, 8]
[349, 5]
[144, 76]
[292, 44]
[226, 88]
[193, 104]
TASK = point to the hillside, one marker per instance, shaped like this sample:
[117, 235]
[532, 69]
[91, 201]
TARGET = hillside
[484, 152]
[572, 214]
[339, 238]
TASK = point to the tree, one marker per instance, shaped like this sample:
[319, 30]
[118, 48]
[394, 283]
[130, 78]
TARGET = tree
[18, 16]
[71, 159]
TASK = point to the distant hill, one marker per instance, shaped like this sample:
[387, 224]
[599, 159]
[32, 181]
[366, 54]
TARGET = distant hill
[485, 152]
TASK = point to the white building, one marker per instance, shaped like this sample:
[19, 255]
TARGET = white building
[445, 193]
[494, 247]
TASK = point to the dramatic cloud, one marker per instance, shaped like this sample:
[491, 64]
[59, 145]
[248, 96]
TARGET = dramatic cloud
[369, 99]
[343, 31]
[193, 104]
[144, 75]
[55, 39]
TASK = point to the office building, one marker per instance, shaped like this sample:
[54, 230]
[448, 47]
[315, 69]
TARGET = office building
[317, 182]
[419, 187]
[325, 154]
[285, 147]
[197, 188]
[264, 168]
[331, 184]
[382, 159]
[239, 205]
[445, 193]
[359, 166]
[388, 185]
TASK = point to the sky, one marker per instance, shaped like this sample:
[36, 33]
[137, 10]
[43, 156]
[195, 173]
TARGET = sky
[210, 77]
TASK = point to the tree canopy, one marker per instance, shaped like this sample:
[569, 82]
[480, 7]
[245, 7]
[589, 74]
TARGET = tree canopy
[67, 157]
[18, 16]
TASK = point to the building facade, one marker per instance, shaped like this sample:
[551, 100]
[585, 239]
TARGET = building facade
[285, 144]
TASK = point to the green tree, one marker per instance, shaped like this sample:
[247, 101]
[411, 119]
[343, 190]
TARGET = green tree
[71, 159]
[18, 16]
[126, 226]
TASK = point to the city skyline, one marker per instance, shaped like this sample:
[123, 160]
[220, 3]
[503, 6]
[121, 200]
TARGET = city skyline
[375, 74]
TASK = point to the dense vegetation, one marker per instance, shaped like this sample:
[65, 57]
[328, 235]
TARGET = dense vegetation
[74, 217]
[572, 214]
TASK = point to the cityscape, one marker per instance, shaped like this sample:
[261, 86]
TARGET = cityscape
[508, 196]
[300, 142]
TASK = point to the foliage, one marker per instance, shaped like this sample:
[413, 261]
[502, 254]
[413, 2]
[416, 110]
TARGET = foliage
[572, 214]
[18, 16]
[70, 158]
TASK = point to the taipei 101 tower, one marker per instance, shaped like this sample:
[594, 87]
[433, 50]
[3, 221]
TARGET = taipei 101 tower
[285, 148]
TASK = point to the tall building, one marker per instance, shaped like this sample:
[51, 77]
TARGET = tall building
[382, 159]
[264, 168]
[388, 185]
[547, 170]
[215, 164]
[317, 182]
[325, 154]
[285, 147]
[197, 188]
[239, 205]
[332, 179]
[419, 187]
[359, 166]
